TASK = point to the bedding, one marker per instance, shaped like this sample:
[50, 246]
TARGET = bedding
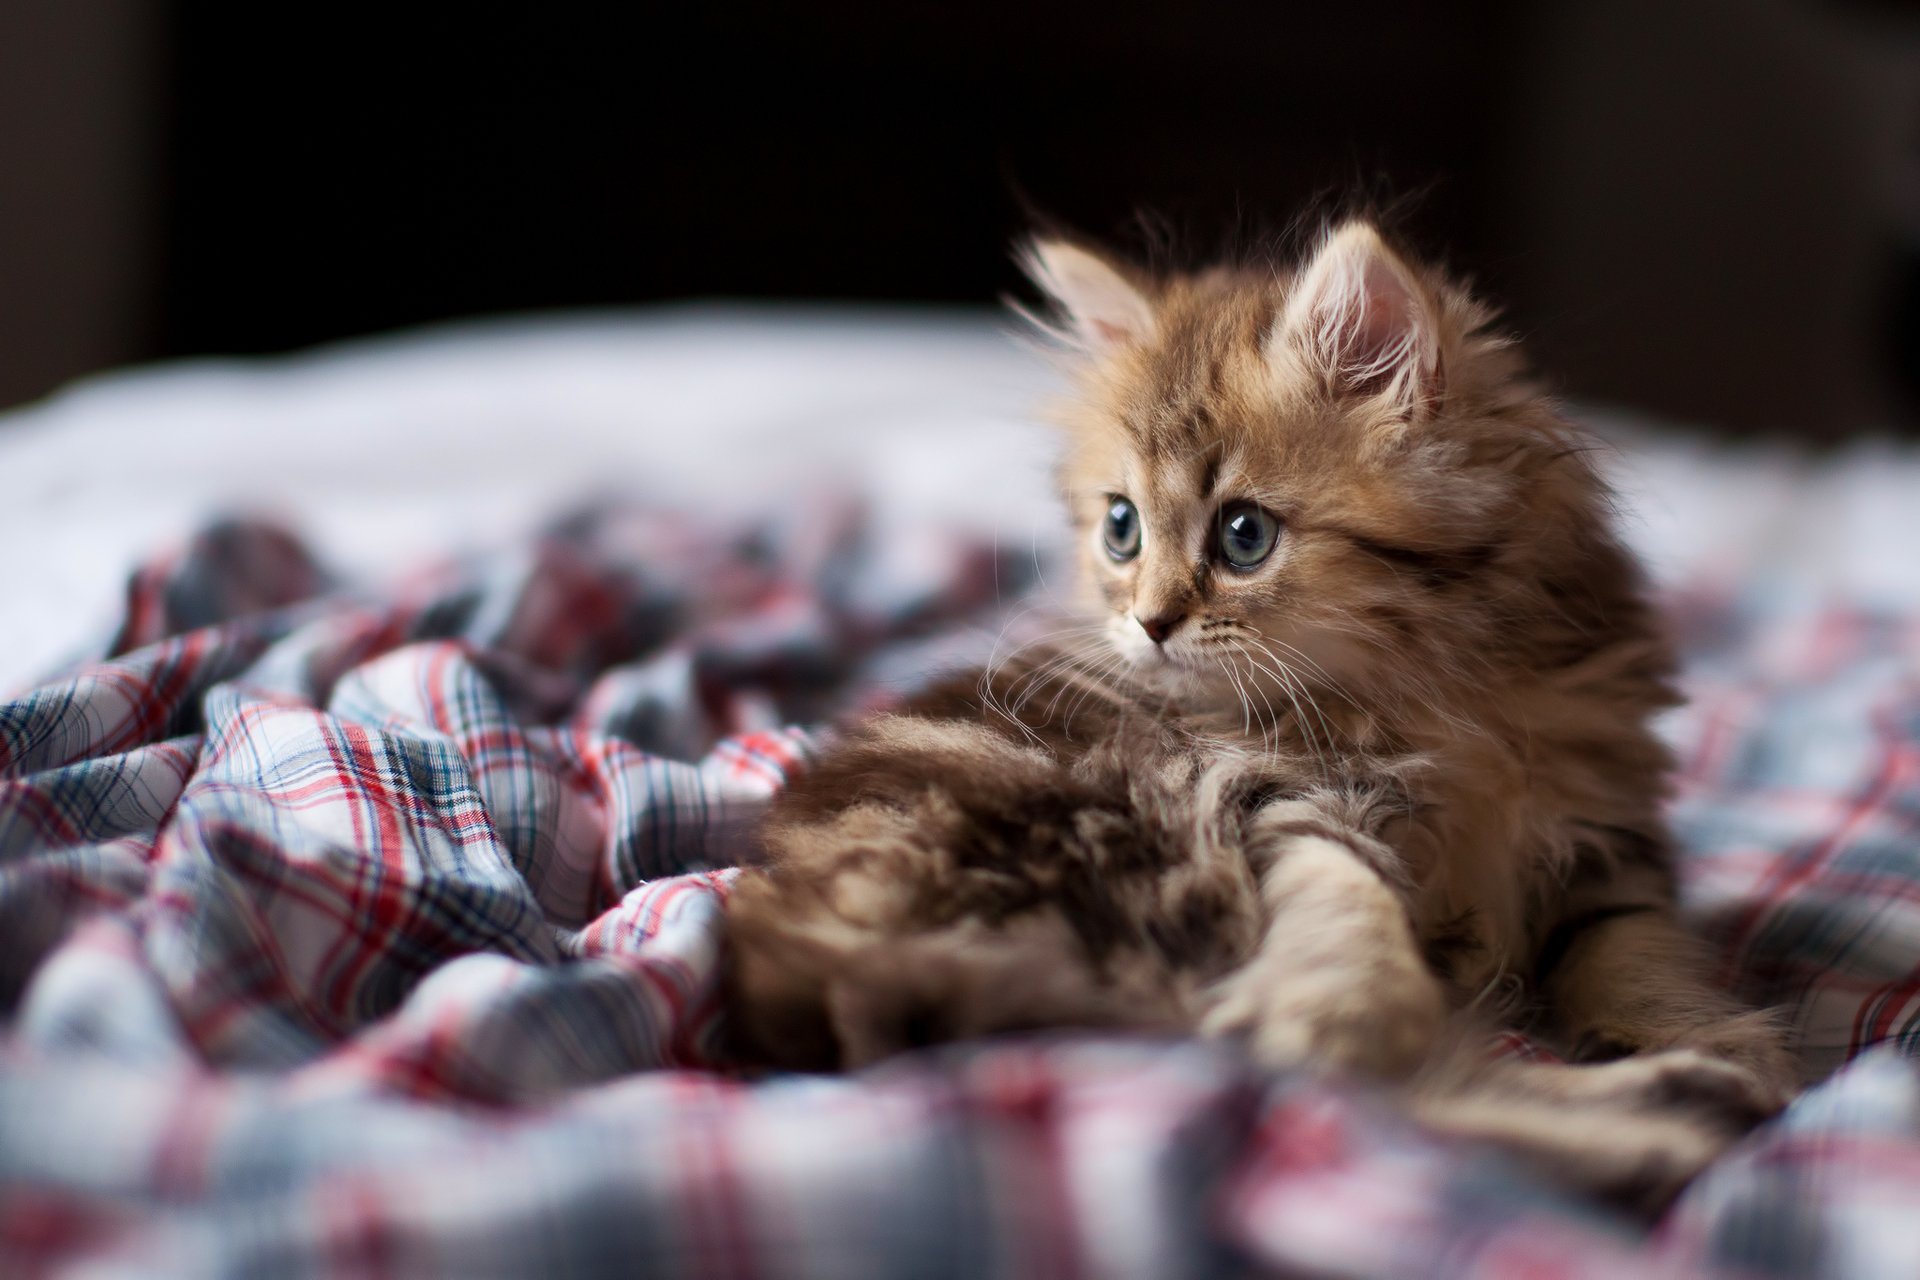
[360, 895]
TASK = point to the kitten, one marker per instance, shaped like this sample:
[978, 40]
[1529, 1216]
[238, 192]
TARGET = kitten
[1356, 751]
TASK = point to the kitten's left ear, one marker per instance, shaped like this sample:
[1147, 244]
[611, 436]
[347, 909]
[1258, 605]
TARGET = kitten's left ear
[1102, 307]
[1358, 313]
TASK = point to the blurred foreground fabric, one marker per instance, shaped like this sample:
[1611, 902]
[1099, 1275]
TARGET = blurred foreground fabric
[375, 931]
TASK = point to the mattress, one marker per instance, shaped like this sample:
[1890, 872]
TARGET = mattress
[469, 436]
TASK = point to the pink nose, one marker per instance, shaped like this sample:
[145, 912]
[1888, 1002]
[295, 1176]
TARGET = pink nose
[1160, 626]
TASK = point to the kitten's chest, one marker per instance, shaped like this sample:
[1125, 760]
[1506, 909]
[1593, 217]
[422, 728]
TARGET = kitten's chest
[1453, 805]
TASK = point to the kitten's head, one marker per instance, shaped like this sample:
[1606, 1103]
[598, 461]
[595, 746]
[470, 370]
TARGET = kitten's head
[1330, 473]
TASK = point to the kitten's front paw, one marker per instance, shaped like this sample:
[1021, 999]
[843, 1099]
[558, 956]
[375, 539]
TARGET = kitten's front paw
[1371, 1021]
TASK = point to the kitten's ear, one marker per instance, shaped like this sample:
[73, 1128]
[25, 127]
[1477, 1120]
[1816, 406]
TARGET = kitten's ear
[1102, 308]
[1358, 313]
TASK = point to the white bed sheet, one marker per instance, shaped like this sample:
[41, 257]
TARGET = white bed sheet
[393, 449]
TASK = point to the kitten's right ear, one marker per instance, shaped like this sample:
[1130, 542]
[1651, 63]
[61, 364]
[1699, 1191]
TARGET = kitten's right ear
[1102, 309]
[1358, 312]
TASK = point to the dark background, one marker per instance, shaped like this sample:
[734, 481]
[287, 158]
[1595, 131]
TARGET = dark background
[1707, 209]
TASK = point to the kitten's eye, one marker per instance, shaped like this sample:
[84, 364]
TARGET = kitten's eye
[1247, 534]
[1122, 530]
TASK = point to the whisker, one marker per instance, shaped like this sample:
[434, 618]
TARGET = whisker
[1270, 734]
[1320, 673]
[1028, 680]
[1245, 710]
[1095, 684]
[1063, 675]
[1033, 679]
[1287, 674]
[1295, 691]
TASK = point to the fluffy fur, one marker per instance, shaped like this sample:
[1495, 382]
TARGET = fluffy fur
[1391, 783]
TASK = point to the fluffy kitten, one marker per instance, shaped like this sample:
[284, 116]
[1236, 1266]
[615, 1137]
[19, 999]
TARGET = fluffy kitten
[1359, 742]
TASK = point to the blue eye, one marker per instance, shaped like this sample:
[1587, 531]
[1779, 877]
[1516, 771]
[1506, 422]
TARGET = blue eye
[1121, 531]
[1247, 534]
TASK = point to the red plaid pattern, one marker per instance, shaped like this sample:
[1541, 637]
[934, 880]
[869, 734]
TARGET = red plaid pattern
[345, 935]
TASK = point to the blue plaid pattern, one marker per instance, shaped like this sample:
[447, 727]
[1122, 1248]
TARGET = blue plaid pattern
[344, 934]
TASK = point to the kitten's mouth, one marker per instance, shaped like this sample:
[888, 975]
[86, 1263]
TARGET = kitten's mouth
[1151, 657]
[1158, 665]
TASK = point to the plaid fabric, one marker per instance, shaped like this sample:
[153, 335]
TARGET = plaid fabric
[345, 933]
[1799, 806]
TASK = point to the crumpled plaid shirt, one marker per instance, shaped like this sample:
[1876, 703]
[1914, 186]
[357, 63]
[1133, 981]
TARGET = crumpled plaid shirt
[348, 932]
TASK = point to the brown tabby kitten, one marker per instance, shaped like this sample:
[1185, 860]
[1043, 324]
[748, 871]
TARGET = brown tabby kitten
[1357, 752]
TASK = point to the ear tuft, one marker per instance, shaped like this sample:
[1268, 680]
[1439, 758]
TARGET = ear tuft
[1102, 309]
[1358, 313]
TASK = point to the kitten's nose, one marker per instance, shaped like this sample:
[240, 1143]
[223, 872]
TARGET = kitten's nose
[1160, 626]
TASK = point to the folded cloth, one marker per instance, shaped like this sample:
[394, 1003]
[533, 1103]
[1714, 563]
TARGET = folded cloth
[348, 930]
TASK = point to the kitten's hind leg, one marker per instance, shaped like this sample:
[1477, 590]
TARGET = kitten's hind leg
[1337, 979]
[1590, 1128]
[1624, 980]
[1669, 1070]
[1633, 1131]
